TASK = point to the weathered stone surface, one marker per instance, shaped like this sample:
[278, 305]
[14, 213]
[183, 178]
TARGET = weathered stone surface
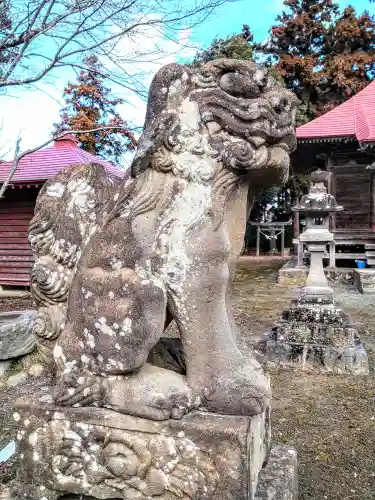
[17, 379]
[340, 275]
[364, 280]
[69, 207]
[35, 370]
[314, 334]
[4, 365]
[169, 237]
[16, 336]
[332, 359]
[104, 454]
[315, 324]
[117, 263]
[279, 478]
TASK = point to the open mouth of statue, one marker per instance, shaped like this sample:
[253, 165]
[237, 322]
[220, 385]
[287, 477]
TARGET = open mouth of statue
[284, 140]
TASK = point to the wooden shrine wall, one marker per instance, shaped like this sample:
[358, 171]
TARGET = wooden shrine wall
[351, 184]
[16, 259]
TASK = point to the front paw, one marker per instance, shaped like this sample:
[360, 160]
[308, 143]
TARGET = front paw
[237, 396]
[84, 390]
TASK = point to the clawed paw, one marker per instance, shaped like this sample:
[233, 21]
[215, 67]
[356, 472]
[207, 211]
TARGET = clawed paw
[178, 404]
[252, 405]
[236, 396]
[80, 391]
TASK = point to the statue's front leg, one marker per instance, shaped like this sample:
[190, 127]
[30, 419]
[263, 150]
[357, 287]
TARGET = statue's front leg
[228, 382]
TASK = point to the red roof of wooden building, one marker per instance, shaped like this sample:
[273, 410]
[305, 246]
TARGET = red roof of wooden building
[355, 119]
[46, 163]
[17, 209]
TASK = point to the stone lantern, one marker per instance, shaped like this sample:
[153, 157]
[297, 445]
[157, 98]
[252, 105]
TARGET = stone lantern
[317, 205]
[314, 331]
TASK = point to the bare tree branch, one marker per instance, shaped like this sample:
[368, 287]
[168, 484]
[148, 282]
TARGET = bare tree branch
[13, 168]
[81, 27]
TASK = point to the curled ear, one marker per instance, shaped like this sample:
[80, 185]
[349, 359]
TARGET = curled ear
[168, 89]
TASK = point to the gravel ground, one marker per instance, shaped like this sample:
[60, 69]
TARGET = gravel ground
[329, 419]
[16, 303]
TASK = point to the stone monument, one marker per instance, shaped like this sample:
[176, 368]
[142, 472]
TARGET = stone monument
[117, 262]
[315, 331]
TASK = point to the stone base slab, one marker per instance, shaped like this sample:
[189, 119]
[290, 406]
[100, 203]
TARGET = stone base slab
[100, 453]
[339, 360]
[364, 280]
[290, 274]
[278, 480]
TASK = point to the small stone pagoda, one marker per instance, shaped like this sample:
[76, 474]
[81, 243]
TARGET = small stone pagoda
[314, 330]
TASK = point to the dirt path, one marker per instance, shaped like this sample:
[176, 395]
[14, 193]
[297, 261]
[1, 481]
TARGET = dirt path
[16, 303]
[329, 419]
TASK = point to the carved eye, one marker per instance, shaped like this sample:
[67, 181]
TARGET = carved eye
[239, 85]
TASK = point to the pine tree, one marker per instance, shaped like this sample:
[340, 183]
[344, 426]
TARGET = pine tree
[324, 56]
[349, 57]
[233, 47]
[90, 105]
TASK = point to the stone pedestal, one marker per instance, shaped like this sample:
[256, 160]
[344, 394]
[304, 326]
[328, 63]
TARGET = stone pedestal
[364, 280]
[103, 454]
[317, 334]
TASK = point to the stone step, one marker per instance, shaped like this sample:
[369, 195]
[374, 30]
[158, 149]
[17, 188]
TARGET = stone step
[364, 280]
[370, 246]
[370, 255]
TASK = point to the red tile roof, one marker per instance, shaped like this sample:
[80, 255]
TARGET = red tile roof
[354, 118]
[46, 163]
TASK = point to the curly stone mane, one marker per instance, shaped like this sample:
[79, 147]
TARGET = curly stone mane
[250, 116]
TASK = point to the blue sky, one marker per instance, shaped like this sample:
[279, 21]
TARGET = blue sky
[31, 113]
[230, 17]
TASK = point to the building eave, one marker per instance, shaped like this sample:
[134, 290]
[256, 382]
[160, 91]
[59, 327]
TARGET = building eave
[320, 140]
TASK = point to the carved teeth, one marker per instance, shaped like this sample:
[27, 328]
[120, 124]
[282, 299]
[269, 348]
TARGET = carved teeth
[257, 141]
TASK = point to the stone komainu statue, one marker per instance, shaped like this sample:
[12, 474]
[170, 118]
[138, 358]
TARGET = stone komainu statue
[135, 255]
